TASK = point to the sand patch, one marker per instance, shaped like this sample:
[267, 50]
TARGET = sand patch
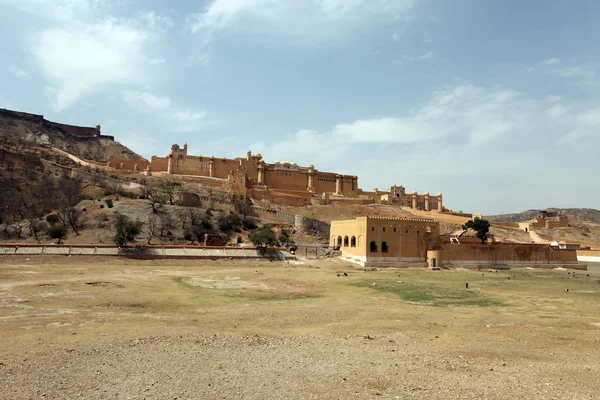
[229, 282]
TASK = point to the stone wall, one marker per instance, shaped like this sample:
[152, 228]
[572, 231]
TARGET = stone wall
[475, 255]
[150, 252]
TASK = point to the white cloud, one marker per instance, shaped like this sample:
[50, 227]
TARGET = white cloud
[18, 72]
[77, 62]
[83, 49]
[156, 61]
[549, 61]
[326, 18]
[62, 11]
[405, 58]
[182, 120]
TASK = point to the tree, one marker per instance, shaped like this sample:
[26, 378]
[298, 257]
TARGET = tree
[57, 232]
[263, 237]
[169, 187]
[480, 226]
[230, 223]
[127, 230]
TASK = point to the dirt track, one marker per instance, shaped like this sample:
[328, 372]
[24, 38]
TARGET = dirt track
[249, 330]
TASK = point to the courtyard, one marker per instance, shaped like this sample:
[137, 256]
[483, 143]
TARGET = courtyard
[111, 328]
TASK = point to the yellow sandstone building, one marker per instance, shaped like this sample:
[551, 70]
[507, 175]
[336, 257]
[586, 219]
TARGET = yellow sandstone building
[282, 182]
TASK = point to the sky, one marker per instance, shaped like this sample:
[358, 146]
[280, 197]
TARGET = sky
[496, 104]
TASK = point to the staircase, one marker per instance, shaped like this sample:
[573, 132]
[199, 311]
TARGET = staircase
[536, 238]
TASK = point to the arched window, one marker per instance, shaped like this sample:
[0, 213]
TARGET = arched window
[384, 247]
[353, 241]
[373, 247]
[384, 228]
[394, 229]
[397, 194]
[339, 243]
[345, 241]
[372, 229]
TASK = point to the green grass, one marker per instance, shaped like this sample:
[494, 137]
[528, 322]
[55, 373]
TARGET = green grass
[433, 295]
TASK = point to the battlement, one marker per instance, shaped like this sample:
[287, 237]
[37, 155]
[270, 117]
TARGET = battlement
[79, 132]
[405, 219]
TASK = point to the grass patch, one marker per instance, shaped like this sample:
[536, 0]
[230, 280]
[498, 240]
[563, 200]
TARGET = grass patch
[433, 295]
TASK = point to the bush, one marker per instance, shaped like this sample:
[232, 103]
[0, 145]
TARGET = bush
[127, 230]
[57, 232]
[249, 223]
[206, 225]
[263, 237]
[52, 219]
[230, 223]
[284, 236]
[109, 203]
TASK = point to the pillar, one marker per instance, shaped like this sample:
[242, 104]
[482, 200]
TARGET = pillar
[339, 185]
[311, 178]
[170, 166]
[185, 147]
[426, 201]
[135, 167]
[414, 199]
[211, 167]
[261, 173]
[440, 207]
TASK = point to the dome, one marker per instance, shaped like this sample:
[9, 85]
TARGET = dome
[439, 193]
[426, 193]
[258, 155]
[414, 192]
[554, 244]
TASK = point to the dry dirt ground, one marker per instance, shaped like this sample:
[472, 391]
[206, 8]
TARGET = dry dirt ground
[125, 329]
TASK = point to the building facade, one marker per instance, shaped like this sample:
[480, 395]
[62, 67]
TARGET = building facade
[379, 241]
[280, 182]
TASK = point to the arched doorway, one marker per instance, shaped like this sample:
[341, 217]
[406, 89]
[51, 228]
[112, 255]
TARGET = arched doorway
[384, 247]
[345, 241]
[373, 247]
[353, 241]
[339, 241]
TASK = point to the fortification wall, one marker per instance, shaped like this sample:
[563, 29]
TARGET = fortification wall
[474, 255]
[324, 182]
[286, 180]
[122, 163]
[159, 163]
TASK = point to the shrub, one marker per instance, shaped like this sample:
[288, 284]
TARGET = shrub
[284, 235]
[263, 237]
[52, 219]
[230, 223]
[109, 203]
[127, 230]
[249, 223]
[57, 232]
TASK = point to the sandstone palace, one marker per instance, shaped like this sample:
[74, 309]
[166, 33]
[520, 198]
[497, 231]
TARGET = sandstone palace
[281, 182]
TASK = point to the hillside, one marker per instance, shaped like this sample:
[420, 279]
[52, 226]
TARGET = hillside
[574, 215]
[33, 130]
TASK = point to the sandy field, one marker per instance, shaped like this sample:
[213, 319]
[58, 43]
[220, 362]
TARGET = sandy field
[89, 328]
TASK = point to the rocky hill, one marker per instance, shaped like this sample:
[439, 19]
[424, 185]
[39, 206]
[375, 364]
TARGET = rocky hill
[27, 130]
[574, 214]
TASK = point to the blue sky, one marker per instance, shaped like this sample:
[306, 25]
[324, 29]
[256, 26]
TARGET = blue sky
[494, 103]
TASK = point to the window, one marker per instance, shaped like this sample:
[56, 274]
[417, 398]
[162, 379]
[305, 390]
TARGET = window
[394, 229]
[339, 241]
[384, 247]
[353, 241]
[373, 247]
[345, 241]
[372, 229]
[384, 228]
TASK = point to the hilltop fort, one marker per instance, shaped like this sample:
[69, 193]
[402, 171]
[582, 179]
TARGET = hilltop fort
[281, 182]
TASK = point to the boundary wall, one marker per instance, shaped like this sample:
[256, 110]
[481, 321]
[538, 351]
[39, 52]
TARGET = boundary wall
[506, 254]
[297, 220]
[145, 252]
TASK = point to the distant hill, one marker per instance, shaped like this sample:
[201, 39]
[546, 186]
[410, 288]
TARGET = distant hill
[574, 214]
[26, 130]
